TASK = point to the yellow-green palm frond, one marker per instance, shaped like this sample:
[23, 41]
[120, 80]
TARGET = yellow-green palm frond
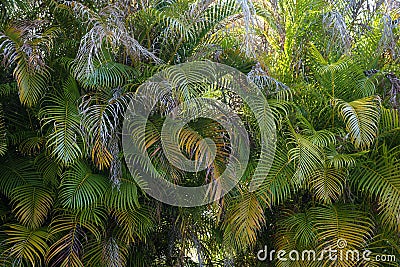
[244, 218]
[361, 117]
[380, 177]
[25, 245]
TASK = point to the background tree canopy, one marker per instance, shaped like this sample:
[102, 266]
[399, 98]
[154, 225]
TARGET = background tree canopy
[329, 70]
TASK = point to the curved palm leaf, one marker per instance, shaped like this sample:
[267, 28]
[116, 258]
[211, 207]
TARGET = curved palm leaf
[278, 185]
[342, 222]
[31, 204]
[68, 248]
[24, 44]
[125, 197]
[101, 114]
[62, 113]
[380, 177]
[19, 173]
[307, 157]
[133, 224]
[107, 33]
[80, 188]
[296, 232]
[244, 218]
[26, 245]
[328, 184]
[361, 117]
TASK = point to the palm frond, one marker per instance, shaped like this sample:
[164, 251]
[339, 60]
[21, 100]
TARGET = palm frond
[19, 173]
[133, 224]
[296, 231]
[342, 222]
[49, 169]
[343, 78]
[244, 218]
[278, 185]
[62, 114]
[389, 122]
[108, 75]
[125, 197]
[307, 157]
[101, 114]
[80, 188]
[67, 250]
[341, 161]
[328, 184]
[25, 44]
[380, 177]
[362, 118]
[26, 245]
[107, 33]
[31, 204]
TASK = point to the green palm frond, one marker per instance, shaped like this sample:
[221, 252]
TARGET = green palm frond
[380, 177]
[287, 31]
[362, 118]
[321, 138]
[389, 122]
[80, 188]
[125, 197]
[31, 84]
[384, 242]
[49, 169]
[32, 145]
[342, 222]
[31, 204]
[108, 75]
[244, 218]
[297, 231]
[328, 184]
[26, 245]
[278, 185]
[343, 78]
[19, 173]
[214, 16]
[321, 228]
[133, 224]
[189, 25]
[341, 161]
[307, 157]
[61, 112]
[24, 44]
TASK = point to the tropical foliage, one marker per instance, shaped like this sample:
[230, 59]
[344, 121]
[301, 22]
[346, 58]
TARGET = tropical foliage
[329, 70]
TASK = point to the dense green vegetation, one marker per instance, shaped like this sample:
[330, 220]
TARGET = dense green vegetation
[69, 68]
